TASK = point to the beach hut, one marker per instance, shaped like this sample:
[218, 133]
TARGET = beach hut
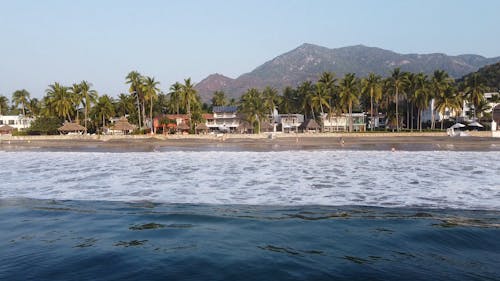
[122, 126]
[71, 128]
[201, 128]
[183, 127]
[310, 126]
[6, 130]
[244, 127]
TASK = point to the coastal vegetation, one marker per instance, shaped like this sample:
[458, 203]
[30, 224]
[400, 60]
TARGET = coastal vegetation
[401, 96]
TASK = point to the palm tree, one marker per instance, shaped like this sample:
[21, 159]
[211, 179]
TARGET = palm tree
[410, 99]
[474, 90]
[219, 98]
[21, 97]
[483, 106]
[75, 92]
[188, 97]
[305, 93]
[253, 107]
[289, 100]
[60, 99]
[175, 97]
[88, 96]
[271, 98]
[4, 101]
[372, 85]
[327, 81]
[124, 105]
[399, 81]
[349, 93]
[440, 81]
[448, 100]
[134, 78]
[34, 107]
[422, 96]
[321, 97]
[103, 110]
[150, 90]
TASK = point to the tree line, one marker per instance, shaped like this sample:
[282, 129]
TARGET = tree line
[402, 97]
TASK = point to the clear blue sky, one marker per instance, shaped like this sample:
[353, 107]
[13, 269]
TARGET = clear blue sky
[101, 41]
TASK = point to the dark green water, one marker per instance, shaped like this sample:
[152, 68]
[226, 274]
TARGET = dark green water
[88, 240]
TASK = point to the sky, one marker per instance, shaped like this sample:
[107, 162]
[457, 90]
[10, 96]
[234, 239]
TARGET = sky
[101, 41]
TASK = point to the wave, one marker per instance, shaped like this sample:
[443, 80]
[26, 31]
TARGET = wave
[424, 179]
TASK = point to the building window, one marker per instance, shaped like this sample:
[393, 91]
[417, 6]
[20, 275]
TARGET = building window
[11, 122]
[1, 122]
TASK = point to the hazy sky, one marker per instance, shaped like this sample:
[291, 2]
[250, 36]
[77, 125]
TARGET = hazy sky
[101, 41]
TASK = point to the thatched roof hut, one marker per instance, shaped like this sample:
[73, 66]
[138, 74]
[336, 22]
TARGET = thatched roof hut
[123, 125]
[244, 126]
[71, 127]
[183, 127]
[310, 125]
[202, 127]
[6, 129]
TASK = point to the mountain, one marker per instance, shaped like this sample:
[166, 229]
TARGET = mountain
[212, 83]
[490, 74]
[308, 61]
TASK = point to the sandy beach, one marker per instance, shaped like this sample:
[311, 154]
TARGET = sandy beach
[262, 142]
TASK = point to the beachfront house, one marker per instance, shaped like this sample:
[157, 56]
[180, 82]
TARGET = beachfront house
[468, 109]
[378, 121]
[223, 119]
[171, 122]
[340, 123]
[18, 122]
[288, 123]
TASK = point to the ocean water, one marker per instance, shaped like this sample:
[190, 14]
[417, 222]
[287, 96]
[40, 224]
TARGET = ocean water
[243, 215]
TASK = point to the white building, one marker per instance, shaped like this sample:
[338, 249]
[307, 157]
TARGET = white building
[289, 122]
[19, 122]
[223, 119]
[340, 123]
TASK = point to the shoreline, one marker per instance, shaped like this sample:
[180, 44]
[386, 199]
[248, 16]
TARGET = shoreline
[480, 141]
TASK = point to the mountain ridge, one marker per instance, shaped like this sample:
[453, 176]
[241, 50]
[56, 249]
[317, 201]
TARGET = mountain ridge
[308, 61]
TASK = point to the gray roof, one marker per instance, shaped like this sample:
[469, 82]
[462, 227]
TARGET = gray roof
[225, 109]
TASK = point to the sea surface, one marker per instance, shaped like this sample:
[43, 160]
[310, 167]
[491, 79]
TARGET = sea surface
[248, 215]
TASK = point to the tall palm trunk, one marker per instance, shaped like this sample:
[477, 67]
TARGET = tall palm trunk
[411, 127]
[397, 111]
[407, 114]
[258, 123]
[139, 111]
[153, 129]
[86, 111]
[419, 120]
[143, 114]
[371, 109]
[189, 112]
[350, 117]
[433, 125]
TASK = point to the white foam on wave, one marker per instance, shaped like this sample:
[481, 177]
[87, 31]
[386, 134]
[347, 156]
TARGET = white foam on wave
[436, 179]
